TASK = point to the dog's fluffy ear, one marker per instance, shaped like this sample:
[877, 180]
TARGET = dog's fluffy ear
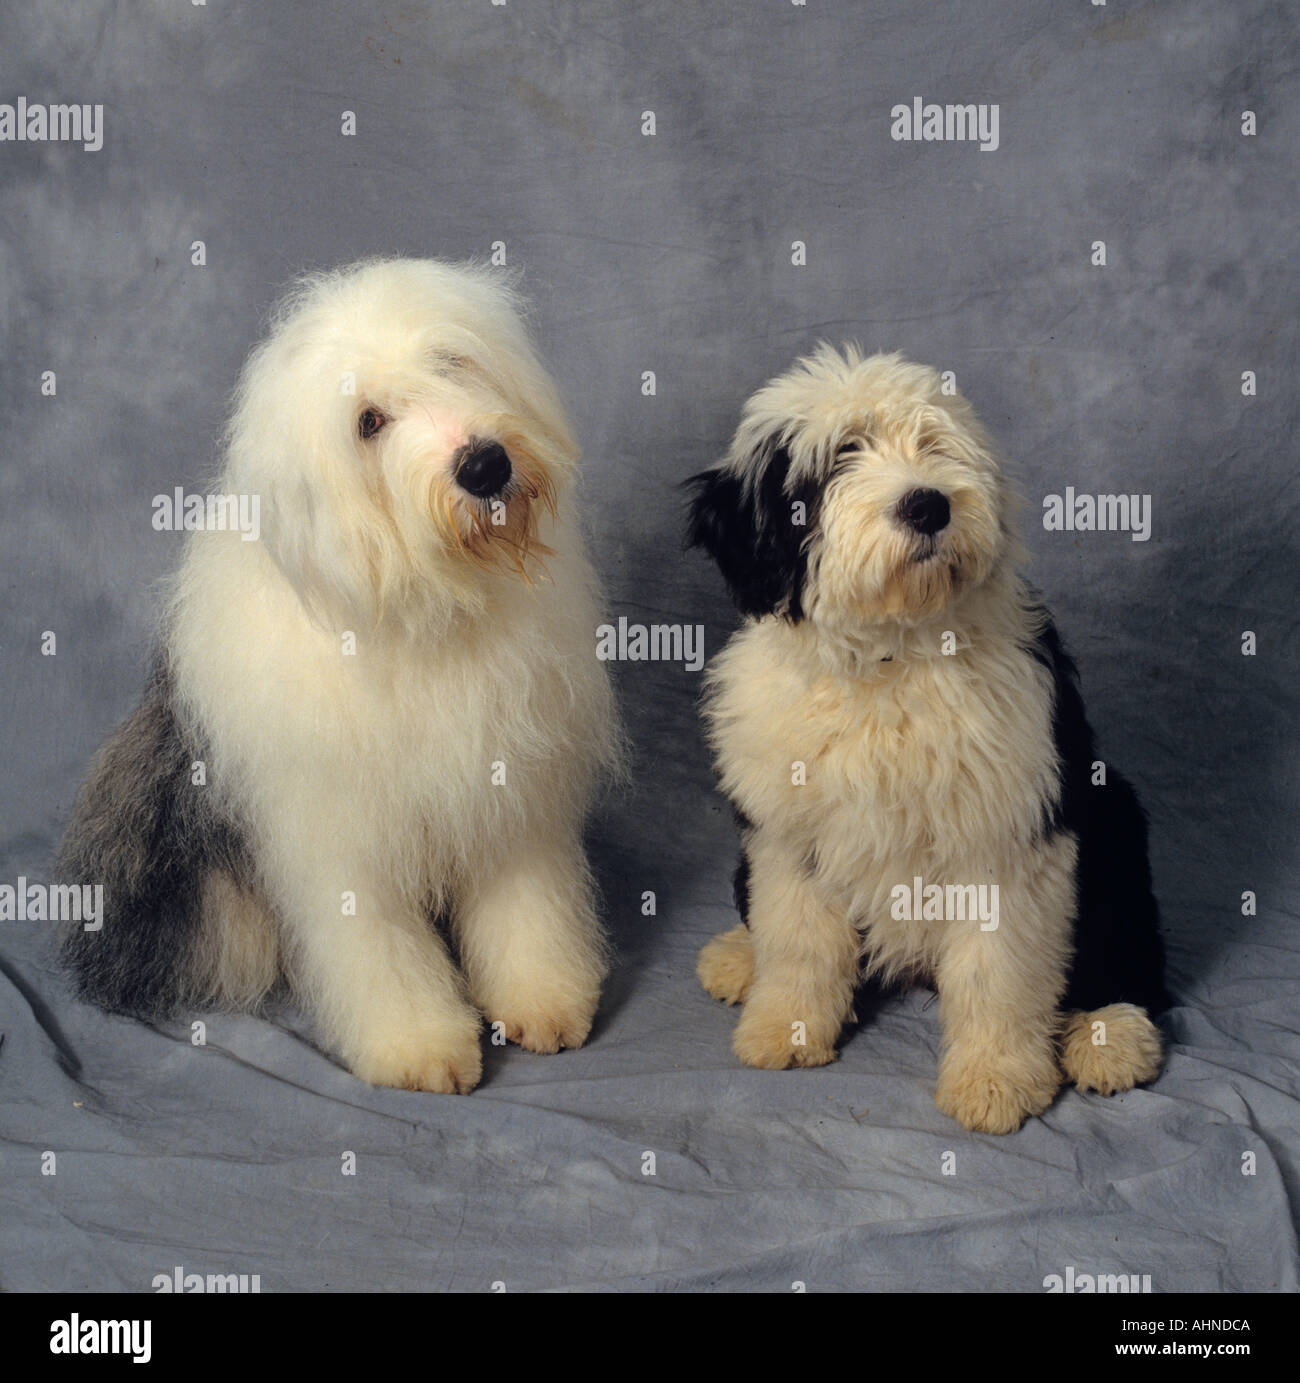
[755, 530]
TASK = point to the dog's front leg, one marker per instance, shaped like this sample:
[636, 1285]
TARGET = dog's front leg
[1000, 979]
[378, 979]
[805, 963]
[531, 943]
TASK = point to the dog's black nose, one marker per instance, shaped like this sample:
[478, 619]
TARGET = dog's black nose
[482, 468]
[924, 510]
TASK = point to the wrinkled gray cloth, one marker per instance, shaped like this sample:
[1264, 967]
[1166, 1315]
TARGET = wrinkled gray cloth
[651, 1159]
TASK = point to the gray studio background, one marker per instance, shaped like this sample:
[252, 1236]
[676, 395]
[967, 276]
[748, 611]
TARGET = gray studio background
[522, 123]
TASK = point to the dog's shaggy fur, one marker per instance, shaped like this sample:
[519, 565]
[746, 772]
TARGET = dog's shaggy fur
[898, 706]
[386, 712]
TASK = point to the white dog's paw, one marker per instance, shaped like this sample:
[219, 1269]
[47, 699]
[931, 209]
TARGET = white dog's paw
[997, 1095]
[444, 1064]
[1111, 1049]
[546, 1028]
[726, 965]
[773, 1036]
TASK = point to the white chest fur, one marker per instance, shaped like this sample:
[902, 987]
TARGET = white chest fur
[935, 764]
[487, 730]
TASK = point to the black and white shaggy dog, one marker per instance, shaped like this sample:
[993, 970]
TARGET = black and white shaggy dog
[902, 736]
[387, 710]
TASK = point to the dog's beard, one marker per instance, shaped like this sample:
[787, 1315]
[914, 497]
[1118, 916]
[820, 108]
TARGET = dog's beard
[891, 577]
[499, 533]
[926, 576]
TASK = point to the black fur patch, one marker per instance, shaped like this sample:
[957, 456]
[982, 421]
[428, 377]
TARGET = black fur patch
[148, 835]
[1119, 956]
[740, 885]
[749, 531]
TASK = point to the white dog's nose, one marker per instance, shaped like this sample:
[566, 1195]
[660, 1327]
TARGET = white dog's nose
[481, 467]
[926, 511]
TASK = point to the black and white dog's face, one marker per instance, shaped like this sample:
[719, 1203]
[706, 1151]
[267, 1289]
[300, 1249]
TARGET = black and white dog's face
[855, 492]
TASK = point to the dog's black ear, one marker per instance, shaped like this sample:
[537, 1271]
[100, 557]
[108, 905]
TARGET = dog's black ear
[756, 532]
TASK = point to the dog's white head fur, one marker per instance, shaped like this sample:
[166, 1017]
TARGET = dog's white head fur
[353, 422]
[857, 495]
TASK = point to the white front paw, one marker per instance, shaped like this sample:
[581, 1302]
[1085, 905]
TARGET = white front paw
[446, 1063]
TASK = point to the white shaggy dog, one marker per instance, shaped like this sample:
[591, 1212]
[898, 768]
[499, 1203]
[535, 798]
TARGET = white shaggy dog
[902, 736]
[385, 712]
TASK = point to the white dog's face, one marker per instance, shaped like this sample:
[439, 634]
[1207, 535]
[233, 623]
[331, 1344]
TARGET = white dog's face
[855, 493]
[406, 442]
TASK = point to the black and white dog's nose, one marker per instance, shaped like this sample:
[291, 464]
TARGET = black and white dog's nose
[482, 468]
[926, 511]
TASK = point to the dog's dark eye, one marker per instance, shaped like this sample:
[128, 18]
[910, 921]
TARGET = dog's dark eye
[369, 423]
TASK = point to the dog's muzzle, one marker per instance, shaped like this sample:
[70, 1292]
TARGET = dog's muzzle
[481, 467]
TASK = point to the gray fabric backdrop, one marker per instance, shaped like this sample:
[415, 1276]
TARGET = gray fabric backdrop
[523, 123]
